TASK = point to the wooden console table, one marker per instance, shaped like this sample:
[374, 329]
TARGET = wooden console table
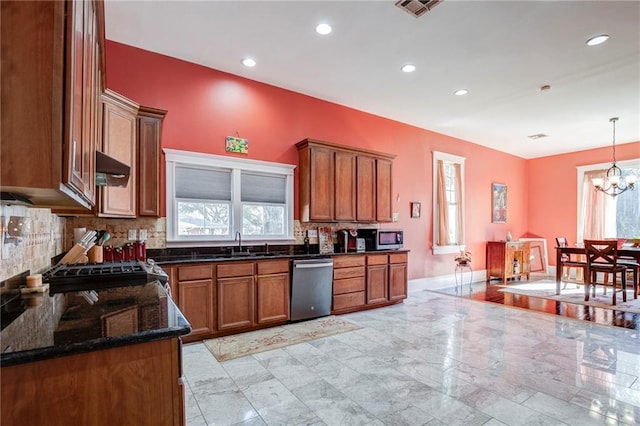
[502, 257]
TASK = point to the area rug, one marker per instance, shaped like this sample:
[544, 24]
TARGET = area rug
[574, 293]
[238, 345]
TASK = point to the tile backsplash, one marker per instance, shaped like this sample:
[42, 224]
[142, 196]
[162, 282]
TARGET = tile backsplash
[119, 229]
[41, 239]
[46, 235]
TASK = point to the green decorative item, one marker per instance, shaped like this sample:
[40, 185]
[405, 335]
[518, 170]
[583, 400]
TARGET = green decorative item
[237, 144]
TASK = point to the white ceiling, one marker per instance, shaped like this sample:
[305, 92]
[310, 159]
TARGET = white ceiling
[501, 51]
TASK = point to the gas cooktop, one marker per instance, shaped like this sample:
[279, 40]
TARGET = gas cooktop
[93, 276]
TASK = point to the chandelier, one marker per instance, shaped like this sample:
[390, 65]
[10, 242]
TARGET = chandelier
[617, 183]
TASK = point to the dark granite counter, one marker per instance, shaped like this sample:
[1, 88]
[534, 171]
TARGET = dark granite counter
[44, 326]
[213, 254]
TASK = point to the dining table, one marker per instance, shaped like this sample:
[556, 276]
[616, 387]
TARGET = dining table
[629, 251]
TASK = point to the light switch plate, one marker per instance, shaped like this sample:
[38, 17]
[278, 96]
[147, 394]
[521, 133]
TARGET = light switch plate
[312, 233]
[132, 235]
[143, 234]
[396, 217]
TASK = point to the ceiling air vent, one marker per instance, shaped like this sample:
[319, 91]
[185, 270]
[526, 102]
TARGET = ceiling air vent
[538, 136]
[417, 8]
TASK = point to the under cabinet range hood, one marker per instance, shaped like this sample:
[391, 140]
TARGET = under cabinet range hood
[111, 172]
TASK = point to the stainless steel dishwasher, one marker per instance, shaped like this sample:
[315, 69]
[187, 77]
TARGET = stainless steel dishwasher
[311, 288]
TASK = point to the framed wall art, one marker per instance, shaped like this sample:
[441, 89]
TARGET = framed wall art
[415, 209]
[498, 203]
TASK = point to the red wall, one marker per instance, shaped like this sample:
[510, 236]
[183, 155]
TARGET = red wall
[206, 105]
[553, 212]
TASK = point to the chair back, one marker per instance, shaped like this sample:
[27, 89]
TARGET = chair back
[561, 242]
[601, 252]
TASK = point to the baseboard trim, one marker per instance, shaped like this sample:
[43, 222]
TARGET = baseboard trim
[449, 280]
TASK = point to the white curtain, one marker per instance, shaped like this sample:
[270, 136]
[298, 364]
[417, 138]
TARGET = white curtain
[595, 208]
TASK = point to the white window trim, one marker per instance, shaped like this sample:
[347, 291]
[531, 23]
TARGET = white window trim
[581, 171]
[188, 158]
[437, 155]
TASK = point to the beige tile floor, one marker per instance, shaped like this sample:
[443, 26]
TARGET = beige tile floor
[433, 360]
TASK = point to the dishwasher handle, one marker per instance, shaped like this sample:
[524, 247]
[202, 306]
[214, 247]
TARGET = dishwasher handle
[313, 265]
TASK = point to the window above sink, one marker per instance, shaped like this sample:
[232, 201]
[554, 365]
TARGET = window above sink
[210, 198]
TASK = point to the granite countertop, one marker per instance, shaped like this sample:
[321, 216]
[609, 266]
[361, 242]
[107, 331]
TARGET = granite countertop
[44, 326]
[198, 254]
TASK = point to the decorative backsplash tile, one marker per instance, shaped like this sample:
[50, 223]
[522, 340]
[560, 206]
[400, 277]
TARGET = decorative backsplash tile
[119, 229]
[33, 250]
[48, 235]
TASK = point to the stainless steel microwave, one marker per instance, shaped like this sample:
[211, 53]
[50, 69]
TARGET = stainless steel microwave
[382, 239]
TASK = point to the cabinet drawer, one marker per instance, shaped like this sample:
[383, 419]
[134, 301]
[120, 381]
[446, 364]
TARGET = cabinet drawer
[196, 272]
[273, 267]
[356, 271]
[348, 261]
[348, 285]
[227, 270]
[398, 258]
[377, 259]
[349, 300]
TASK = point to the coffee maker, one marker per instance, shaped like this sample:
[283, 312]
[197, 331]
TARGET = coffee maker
[348, 241]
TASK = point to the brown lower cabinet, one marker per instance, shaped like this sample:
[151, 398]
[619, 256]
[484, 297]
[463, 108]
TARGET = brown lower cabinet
[236, 295]
[225, 297]
[377, 279]
[128, 385]
[363, 281]
[398, 279]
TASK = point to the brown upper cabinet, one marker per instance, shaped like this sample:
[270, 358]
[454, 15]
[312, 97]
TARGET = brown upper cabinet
[52, 74]
[119, 121]
[342, 183]
[149, 151]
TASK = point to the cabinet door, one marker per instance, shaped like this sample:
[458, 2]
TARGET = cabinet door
[366, 189]
[119, 142]
[321, 184]
[345, 186]
[273, 298]
[77, 145]
[383, 191]
[496, 259]
[196, 300]
[236, 303]
[149, 149]
[377, 284]
[397, 281]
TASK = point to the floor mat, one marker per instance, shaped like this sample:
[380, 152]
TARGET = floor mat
[238, 345]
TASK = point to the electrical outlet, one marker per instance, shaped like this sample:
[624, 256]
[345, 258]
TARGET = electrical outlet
[312, 233]
[396, 217]
[132, 235]
[143, 234]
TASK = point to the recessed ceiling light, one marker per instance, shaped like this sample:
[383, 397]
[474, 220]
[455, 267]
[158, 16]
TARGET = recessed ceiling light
[323, 29]
[596, 40]
[408, 68]
[461, 92]
[249, 62]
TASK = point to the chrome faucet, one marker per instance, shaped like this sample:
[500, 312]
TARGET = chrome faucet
[238, 238]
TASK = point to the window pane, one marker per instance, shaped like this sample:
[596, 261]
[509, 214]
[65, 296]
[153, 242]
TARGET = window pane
[203, 218]
[263, 219]
[628, 210]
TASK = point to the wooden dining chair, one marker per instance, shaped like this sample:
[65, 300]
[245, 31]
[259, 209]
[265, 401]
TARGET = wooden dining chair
[602, 256]
[568, 263]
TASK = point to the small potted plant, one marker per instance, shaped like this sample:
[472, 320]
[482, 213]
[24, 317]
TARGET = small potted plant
[464, 257]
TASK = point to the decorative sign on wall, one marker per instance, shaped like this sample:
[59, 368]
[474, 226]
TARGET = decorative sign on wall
[237, 144]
